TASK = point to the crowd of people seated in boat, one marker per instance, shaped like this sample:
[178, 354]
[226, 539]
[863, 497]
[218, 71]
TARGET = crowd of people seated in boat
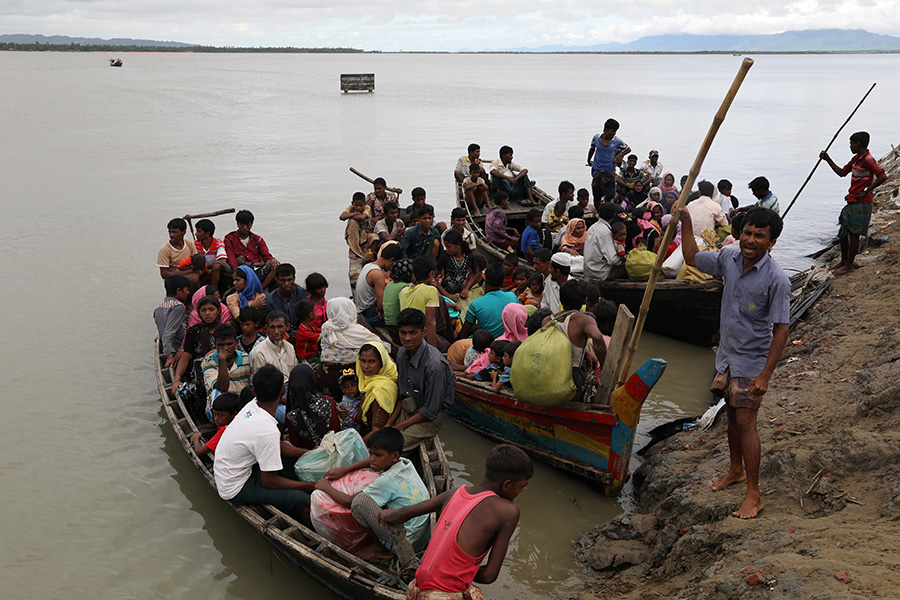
[619, 233]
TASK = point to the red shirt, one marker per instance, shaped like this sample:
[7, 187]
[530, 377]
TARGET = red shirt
[307, 344]
[214, 440]
[445, 566]
[863, 168]
[255, 251]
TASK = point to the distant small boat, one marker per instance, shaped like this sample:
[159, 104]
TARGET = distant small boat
[115, 62]
[735, 53]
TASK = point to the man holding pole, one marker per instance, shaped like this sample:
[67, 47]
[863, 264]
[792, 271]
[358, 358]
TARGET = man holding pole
[855, 216]
[753, 329]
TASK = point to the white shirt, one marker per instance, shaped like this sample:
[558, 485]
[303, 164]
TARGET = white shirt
[550, 299]
[281, 356]
[251, 438]
[706, 214]
[655, 173]
[467, 236]
[600, 254]
[381, 227]
[510, 170]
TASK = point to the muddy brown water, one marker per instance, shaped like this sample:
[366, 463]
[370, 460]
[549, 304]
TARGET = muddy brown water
[98, 498]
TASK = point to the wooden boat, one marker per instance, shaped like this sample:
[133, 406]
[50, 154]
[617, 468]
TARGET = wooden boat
[681, 309]
[332, 566]
[592, 439]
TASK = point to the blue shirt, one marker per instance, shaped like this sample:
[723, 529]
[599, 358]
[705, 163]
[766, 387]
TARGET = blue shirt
[604, 155]
[401, 486]
[487, 310]
[770, 201]
[752, 302]
[530, 238]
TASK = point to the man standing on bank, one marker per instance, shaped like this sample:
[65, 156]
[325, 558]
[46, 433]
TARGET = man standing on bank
[753, 330]
[855, 216]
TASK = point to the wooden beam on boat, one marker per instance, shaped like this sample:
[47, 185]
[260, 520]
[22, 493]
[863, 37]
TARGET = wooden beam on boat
[615, 354]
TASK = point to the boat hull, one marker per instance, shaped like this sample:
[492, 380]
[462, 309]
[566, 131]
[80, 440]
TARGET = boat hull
[590, 442]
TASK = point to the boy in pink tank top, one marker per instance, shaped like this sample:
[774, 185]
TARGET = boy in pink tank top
[473, 520]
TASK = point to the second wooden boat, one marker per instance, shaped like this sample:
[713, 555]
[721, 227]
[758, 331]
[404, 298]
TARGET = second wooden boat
[681, 309]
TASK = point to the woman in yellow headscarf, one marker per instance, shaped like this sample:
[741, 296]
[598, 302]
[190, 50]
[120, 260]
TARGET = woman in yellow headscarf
[378, 383]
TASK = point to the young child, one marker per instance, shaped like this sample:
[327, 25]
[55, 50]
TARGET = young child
[398, 486]
[307, 345]
[534, 292]
[474, 520]
[359, 222]
[352, 400]
[510, 262]
[194, 266]
[619, 233]
[499, 378]
[495, 355]
[584, 201]
[249, 336]
[520, 281]
[481, 341]
[224, 408]
[531, 237]
[316, 286]
[476, 190]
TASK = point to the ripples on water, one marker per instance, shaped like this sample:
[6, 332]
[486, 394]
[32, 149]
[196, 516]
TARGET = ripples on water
[99, 498]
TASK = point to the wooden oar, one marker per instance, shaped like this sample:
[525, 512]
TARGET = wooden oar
[397, 191]
[816, 166]
[215, 213]
[673, 223]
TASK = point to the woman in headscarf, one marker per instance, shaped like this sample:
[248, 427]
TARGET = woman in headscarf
[378, 383]
[573, 239]
[310, 415]
[248, 291]
[513, 318]
[669, 200]
[668, 184]
[207, 290]
[341, 339]
[198, 342]
[651, 224]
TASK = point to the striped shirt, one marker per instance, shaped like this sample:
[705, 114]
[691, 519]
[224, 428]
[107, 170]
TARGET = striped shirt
[238, 375]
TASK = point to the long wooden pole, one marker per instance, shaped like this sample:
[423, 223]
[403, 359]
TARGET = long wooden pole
[215, 213]
[390, 189]
[816, 166]
[673, 223]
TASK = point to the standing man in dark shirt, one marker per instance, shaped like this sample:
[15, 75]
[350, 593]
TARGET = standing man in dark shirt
[286, 297]
[425, 380]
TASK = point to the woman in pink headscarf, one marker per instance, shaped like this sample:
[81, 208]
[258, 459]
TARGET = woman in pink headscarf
[513, 318]
[207, 290]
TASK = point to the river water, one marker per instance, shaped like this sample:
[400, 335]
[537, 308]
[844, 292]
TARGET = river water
[98, 497]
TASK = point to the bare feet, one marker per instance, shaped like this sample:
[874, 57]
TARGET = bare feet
[843, 269]
[373, 551]
[839, 265]
[750, 508]
[727, 479]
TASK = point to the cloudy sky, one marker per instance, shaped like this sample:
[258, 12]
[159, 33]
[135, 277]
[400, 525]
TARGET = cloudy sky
[432, 24]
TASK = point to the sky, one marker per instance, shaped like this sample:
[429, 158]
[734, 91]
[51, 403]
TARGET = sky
[433, 25]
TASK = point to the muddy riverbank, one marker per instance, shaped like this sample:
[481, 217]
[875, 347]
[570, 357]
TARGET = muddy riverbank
[830, 472]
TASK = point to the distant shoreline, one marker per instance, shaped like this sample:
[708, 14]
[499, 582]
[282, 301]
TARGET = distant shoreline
[132, 49]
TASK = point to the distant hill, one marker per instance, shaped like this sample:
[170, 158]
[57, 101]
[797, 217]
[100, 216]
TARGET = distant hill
[810, 40]
[26, 38]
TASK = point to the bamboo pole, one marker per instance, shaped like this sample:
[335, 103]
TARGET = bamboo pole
[215, 213]
[369, 179]
[673, 223]
[816, 166]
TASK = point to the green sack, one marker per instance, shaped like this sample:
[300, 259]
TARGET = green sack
[639, 264]
[340, 449]
[541, 372]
